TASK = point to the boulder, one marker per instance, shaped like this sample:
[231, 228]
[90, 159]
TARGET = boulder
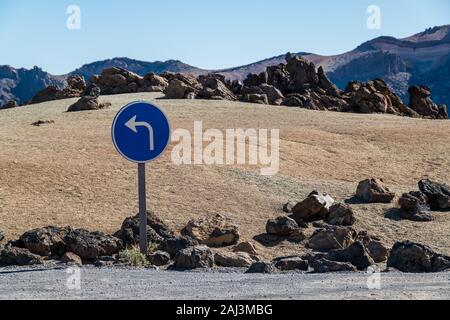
[247, 247]
[281, 226]
[376, 248]
[288, 206]
[157, 230]
[256, 98]
[302, 73]
[331, 238]
[325, 266]
[315, 206]
[177, 89]
[279, 77]
[214, 88]
[438, 194]
[76, 83]
[71, 258]
[14, 256]
[194, 257]
[356, 254]
[414, 206]
[46, 241]
[87, 103]
[340, 215]
[374, 190]
[420, 101]
[91, 90]
[274, 96]
[90, 245]
[233, 259]
[159, 258]
[51, 93]
[153, 83]
[291, 264]
[413, 257]
[376, 97]
[324, 83]
[106, 261]
[262, 267]
[213, 231]
[256, 79]
[117, 80]
[295, 100]
[297, 236]
[174, 244]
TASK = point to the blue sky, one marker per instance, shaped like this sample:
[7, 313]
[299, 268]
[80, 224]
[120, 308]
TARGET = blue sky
[205, 33]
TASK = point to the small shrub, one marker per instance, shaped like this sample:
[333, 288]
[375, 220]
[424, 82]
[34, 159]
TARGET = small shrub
[152, 247]
[133, 257]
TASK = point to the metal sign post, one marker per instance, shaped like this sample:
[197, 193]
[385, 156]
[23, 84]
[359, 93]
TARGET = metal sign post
[141, 133]
[143, 243]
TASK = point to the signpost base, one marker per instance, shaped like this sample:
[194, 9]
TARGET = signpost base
[143, 244]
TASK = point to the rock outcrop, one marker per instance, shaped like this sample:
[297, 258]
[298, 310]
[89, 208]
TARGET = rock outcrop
[416, 258]
[420, 101]
[14, 256]
[194, 257]
[438, 194]
[75, 87]
[315, 206]
[331, 238]
[213, 231]
[291, 264]
[233, 259]
[414, 206]
[46, 241]
[262, 267]
[340, 215]
[91, 245]
[281, 226]
[157, 230]
[374, 190]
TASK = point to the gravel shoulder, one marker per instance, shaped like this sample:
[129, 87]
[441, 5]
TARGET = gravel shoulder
[145, 284]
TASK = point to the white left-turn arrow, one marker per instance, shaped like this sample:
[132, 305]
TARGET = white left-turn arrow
[132, 124]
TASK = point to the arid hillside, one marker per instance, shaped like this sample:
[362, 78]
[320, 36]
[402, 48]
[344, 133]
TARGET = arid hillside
[68, 172]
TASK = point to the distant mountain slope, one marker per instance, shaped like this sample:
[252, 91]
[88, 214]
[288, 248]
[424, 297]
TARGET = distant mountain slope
[421, 59]
[22, 84]
[136, 66]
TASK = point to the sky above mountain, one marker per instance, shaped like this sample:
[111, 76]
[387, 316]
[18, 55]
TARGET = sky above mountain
[204, 33]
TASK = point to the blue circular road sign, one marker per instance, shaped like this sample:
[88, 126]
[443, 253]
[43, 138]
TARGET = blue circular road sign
[141, 132]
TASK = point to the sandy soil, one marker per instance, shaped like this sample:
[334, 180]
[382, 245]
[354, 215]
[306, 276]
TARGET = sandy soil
[68, 173]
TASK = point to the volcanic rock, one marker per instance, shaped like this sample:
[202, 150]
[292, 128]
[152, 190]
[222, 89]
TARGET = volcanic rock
[214, 231]
[374, 190]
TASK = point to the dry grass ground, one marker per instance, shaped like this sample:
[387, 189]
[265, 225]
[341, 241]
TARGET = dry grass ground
[68, 173]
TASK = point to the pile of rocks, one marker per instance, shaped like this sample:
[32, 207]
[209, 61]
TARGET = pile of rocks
[176, 251]
[75, 87]
[298, 84]
[89, 100]
[420, 101]
[416, 205]
[118, 80]
[334, 245]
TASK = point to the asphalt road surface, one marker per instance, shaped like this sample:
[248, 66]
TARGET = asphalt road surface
[144, 284]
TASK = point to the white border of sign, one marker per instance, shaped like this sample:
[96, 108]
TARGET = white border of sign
[114, 124]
